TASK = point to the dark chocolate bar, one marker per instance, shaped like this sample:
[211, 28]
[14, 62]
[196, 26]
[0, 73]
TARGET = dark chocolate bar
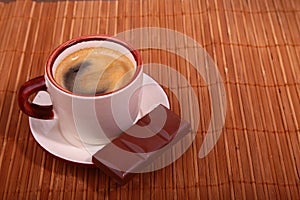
[138, 146]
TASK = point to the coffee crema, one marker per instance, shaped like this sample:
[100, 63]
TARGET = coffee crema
[95, 70]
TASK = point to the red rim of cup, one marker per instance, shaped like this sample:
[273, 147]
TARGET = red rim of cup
[78, 40]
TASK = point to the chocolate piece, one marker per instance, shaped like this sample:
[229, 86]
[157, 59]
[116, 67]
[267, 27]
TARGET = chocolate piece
[138, 146]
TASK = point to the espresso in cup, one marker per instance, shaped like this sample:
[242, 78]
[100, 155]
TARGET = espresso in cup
[94, 84]
[94, 70]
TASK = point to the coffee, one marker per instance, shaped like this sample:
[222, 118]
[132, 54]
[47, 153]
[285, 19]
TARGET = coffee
[95, 70]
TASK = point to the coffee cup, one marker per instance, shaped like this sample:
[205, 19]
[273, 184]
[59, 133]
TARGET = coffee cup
[94, 83]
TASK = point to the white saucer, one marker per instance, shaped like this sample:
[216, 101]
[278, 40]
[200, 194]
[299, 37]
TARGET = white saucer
[47, 133]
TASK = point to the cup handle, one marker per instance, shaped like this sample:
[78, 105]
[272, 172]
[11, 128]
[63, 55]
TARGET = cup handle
[34, 110]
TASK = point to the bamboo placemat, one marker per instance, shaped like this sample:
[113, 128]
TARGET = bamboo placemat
[256, 46]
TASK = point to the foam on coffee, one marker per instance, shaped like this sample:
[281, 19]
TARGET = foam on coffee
[94, 70]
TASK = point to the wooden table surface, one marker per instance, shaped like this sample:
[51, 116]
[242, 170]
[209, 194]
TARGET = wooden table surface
[255, 46]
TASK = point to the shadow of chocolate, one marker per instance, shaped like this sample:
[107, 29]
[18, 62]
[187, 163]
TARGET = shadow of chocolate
[64, 172]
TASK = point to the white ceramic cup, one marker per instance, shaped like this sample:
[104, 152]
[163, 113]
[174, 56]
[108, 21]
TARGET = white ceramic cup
[89, 119]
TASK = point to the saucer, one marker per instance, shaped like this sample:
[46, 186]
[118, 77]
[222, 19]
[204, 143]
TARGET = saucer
[48, 135]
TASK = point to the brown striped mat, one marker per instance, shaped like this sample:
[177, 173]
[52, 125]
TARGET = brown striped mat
[255, 46]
